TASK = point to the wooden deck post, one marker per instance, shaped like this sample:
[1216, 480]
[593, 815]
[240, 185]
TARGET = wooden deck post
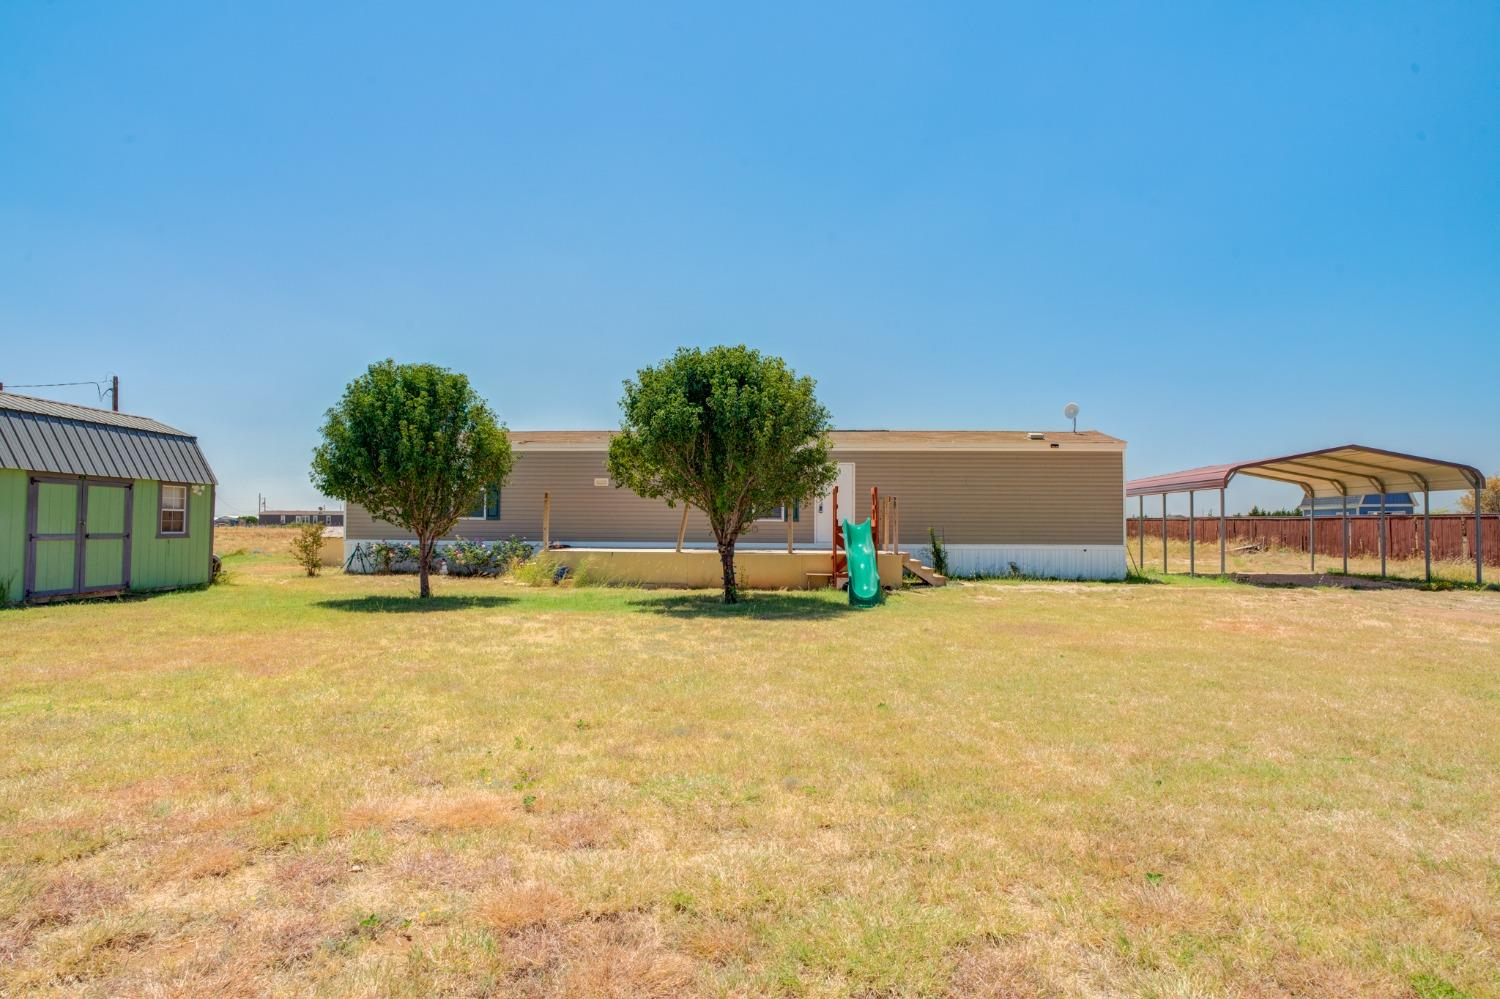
[682, 528]
[546, 520]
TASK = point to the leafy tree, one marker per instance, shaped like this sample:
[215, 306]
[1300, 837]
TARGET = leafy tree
[307, 547]
[1489, 497]
[414, 444]
[730, 430]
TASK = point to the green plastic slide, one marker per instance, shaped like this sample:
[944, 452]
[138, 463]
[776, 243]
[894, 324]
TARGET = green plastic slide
[864, 576]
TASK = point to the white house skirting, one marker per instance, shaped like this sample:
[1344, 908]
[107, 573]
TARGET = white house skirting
[1046, 561]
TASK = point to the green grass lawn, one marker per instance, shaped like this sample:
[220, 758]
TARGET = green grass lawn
[293, 786]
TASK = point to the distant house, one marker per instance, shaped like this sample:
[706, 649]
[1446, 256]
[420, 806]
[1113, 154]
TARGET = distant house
[1396, 504]
[93, 501]
[277, 518]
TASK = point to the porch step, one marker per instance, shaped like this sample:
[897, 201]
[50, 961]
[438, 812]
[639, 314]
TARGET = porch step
[923, 572]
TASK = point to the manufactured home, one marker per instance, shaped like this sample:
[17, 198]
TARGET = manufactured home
[1044, 504]
[96, 502]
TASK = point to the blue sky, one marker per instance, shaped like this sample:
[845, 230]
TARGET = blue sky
[1225, 231]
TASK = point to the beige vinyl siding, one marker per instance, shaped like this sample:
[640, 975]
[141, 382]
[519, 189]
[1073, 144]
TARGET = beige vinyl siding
[1043, 497]
[1021, 494]
[581, 511]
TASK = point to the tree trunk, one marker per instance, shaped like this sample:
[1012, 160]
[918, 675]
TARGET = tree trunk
[424, 555]
[726, 558]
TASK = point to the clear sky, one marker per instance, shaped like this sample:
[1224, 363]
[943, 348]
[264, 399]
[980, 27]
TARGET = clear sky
[1225, 231]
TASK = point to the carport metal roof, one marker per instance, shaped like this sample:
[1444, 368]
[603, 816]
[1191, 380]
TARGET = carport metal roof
[1349, 469]
[1346, 470]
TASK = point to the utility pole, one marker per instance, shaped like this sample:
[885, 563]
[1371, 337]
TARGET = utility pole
[114, 392]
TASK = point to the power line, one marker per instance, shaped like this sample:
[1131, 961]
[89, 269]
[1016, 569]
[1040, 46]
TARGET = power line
[109, 385]
[53, 384]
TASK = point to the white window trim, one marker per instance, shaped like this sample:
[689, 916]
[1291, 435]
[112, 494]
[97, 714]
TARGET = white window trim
[162, 509]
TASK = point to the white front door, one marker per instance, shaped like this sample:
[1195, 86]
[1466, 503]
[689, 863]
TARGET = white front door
[823, 508]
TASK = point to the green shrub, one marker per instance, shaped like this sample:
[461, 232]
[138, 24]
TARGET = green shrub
[395, 556]
[475, 558]
[383, 556]
[469, 558]
[539, 571]
[307, 547]
[939, 552]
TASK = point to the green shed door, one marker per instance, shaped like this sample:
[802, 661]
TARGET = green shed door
[106, 536]
[54, 537]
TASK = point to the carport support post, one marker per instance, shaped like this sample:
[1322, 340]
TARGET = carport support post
[1221, 530]
[1141, 529]
[1192, 537]
[1427, 530]
[1344, 500]
[1478, 536]
[1164, 534]
[1312, 532]
[1382, 530]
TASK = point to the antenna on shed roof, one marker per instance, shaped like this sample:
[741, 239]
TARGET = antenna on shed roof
[1070, 411]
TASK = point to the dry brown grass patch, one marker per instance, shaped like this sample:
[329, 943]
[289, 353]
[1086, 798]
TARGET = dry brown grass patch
[433, 814]
[607, 959]
[208, 860]
[522, 906]
[580, 830]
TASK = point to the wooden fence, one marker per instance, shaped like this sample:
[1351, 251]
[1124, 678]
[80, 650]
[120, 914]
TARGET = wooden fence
[1452, 534]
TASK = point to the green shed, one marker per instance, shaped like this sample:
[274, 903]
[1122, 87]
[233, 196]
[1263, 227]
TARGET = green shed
[98, 502]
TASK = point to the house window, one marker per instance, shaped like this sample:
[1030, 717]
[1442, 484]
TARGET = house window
[172, 518]
[778, 514]
[486, 505]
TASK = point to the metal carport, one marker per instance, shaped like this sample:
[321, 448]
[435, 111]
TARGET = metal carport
[1334, 471]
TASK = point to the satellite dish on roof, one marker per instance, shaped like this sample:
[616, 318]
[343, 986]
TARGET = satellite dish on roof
[1070, 411]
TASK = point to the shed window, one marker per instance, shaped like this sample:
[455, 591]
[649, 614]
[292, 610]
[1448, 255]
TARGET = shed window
[486, 505]
[173, 510]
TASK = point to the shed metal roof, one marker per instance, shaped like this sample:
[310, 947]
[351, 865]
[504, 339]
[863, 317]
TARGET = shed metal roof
[39, 435]
[1348, 469]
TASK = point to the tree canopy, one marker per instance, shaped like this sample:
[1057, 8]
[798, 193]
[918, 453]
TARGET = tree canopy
[1489, 497]
[414, 444]
[732, 431]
